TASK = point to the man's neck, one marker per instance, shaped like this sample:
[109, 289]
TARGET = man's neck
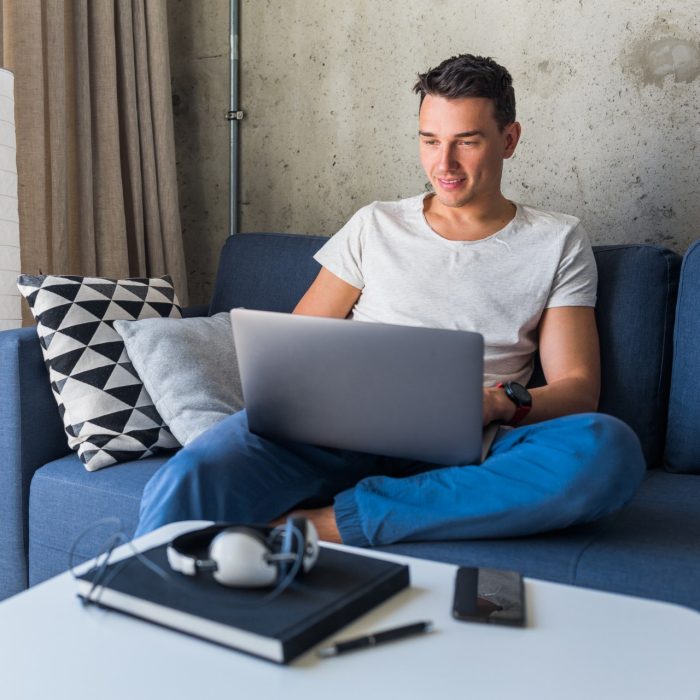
[470, 222]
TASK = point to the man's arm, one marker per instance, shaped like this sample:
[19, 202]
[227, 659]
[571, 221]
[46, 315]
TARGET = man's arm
[328, 295]
[570, 357]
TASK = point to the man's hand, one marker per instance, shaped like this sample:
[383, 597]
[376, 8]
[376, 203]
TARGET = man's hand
[497, 406]
[323, 520]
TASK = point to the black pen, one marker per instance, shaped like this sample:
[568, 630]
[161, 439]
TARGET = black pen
[371, 640]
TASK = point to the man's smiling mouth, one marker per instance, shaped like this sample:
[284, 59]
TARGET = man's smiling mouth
[450, 183]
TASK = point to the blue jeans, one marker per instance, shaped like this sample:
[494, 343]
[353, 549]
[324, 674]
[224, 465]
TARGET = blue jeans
[536, 478]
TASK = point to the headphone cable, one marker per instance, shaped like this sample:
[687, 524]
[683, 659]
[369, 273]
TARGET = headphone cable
[101, 578]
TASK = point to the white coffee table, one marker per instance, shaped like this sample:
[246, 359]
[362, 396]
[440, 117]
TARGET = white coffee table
[579, 644]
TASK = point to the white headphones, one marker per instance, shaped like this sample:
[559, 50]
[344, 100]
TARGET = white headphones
[246, 556]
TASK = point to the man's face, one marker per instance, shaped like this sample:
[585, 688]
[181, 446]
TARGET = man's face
[462, 149]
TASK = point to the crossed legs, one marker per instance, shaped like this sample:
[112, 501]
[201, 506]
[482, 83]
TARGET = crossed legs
[540, 477]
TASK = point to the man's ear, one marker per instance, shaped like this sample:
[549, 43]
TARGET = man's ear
[512, 136]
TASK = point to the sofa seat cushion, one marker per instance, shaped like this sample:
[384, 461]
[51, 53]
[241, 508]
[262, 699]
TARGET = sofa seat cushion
[652, 548]
[649, 549]
[65, 499]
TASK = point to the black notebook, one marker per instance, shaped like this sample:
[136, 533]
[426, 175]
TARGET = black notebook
[341, 587]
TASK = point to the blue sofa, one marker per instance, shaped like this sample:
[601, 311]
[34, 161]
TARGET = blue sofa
[649, 368]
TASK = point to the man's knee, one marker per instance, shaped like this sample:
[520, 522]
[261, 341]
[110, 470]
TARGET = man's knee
[616, 445]
[611, 462]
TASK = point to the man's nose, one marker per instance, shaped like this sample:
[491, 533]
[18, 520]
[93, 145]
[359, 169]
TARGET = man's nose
[447, 158]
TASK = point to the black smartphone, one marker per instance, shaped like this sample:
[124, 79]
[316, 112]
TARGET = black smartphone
[489, 595]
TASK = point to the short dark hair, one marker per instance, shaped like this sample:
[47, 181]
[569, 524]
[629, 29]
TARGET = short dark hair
[471, 76]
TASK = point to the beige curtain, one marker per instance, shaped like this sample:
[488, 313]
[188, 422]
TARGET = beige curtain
[95, 144]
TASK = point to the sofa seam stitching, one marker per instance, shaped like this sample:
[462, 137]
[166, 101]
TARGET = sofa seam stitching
[681, 290]
[88, 487]
[676, 327]
[663, 358]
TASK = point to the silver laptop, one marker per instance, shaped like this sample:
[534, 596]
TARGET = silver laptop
[384, 389]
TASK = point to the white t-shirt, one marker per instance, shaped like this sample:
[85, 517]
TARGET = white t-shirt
[497, 286]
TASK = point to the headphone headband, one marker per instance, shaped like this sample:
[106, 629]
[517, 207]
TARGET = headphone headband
[183, 551]
[245, 555]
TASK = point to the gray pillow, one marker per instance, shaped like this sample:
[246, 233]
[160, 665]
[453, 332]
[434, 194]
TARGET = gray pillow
[188, 367]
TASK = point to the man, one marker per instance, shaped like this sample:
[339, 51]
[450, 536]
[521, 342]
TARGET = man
[462, 257]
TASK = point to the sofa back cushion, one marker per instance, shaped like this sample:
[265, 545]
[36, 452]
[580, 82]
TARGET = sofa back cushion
[266, 271]
[637, 286]
[683, 434]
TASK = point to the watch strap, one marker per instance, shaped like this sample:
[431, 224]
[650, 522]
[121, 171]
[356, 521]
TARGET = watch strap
[520, 413]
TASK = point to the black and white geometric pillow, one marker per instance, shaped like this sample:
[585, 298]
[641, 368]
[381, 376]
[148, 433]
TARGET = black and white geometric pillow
[107, 413]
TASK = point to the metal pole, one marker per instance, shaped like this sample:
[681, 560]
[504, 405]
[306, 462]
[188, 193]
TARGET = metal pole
[234, 115]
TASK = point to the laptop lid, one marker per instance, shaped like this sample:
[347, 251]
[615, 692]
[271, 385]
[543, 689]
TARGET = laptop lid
[400, 391]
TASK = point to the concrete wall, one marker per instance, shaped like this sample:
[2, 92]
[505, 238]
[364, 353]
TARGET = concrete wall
[608, 96]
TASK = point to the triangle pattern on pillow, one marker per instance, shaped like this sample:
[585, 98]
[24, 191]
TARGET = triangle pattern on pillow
[97, 307]
[130, 292]
[112, 351]
[66, 290]
[107, 413]
[127, 394]
[83, 333]
[133, 308]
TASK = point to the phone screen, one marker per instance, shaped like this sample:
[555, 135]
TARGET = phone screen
[489, 595]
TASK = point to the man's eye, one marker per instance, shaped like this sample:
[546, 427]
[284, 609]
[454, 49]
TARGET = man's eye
[467, 143]
[430, 143]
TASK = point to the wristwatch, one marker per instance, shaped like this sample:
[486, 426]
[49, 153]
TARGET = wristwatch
[522, 399]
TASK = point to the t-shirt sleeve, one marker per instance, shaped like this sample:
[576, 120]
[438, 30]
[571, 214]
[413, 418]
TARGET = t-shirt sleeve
[342, 253]
[576, 280]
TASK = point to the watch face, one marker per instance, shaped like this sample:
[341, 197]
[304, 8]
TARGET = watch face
[520, 393]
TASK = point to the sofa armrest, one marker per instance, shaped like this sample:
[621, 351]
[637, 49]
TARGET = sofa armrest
[31, 434]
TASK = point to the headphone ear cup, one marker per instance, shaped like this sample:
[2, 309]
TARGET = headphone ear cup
[289, 544]
[241, 554]
[310, 546]
[299, 539]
